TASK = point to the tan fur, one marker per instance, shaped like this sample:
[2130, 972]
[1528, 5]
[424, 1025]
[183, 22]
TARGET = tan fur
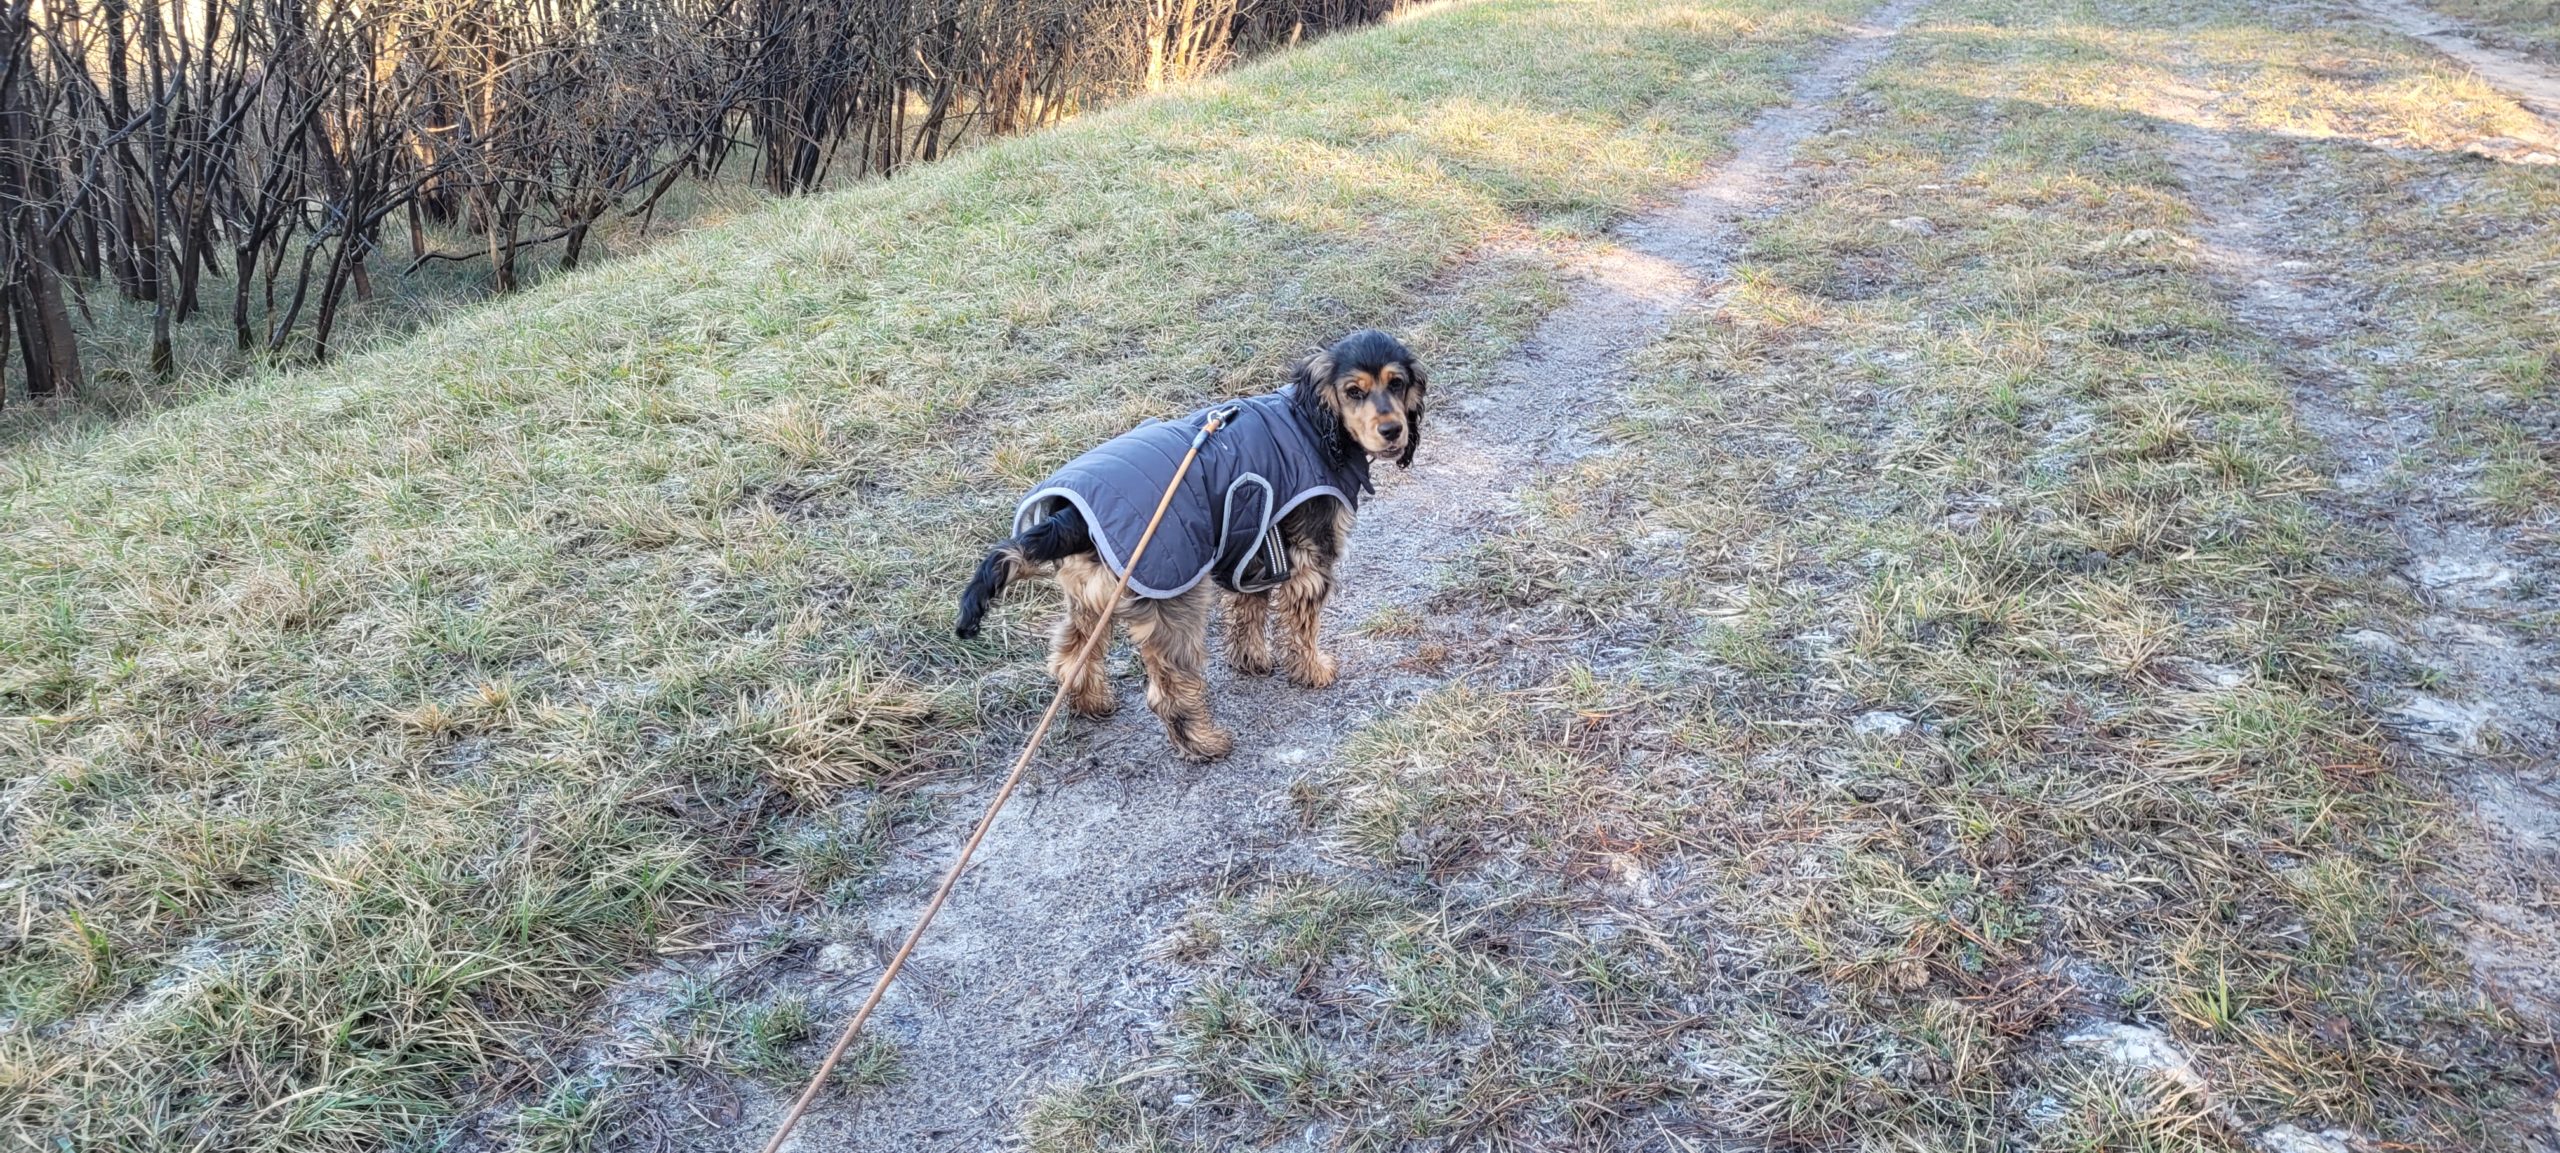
[1383, 399]
[1016, 566]
[1173, 644]
[1299, 603]
[1249, 633]
[1088, 585]
[1173, 641]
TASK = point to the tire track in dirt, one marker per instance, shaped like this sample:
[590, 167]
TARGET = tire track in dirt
[2493, 730]
[2529, 81]
[1040, 968]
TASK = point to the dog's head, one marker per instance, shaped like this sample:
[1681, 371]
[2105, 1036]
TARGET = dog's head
[1366, 394]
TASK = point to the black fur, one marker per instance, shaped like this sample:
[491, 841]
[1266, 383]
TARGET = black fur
[1061, 536]
[1413, 413]
[1367, 350]
[1307, 396]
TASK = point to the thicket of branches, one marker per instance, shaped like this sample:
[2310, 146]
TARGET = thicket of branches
[264, 160]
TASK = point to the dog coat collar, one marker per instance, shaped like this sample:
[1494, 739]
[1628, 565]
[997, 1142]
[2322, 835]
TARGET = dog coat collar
[1226, 517]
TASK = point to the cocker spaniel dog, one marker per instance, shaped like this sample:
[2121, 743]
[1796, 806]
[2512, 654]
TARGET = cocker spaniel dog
[1262, 514]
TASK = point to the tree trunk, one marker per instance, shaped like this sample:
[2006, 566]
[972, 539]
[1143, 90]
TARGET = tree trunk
[51, 355]
[577, 240]
[44, 331]
[245, 259]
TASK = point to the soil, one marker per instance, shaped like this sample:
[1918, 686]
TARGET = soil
[2534, 85]
[2488, 727]
[1041, 969]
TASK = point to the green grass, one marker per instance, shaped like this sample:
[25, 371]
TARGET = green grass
[2528, 25]
[2455, 251]
[366, 724]
[2461, 258]
[115, 332]
[2023, 482]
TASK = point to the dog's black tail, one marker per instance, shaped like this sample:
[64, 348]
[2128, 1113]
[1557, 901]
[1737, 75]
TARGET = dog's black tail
[1061, 536]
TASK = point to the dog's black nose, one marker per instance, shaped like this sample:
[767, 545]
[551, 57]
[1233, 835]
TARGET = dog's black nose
[1391, 431]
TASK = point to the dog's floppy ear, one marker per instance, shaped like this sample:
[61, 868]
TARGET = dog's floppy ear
[1413, 414]
[1311, 389]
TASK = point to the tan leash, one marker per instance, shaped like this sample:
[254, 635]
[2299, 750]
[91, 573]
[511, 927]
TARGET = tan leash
[1101, 636]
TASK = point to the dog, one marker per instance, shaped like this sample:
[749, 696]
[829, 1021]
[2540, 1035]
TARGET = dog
[1262, 515]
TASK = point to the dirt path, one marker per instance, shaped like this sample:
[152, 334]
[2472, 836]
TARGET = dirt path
[2492, 727]
[1041, 969]
[2531, 82]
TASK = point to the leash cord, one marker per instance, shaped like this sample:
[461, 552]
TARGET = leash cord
[1100, 636]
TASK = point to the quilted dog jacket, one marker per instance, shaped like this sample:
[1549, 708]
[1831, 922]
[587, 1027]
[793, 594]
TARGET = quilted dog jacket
[1253, 470]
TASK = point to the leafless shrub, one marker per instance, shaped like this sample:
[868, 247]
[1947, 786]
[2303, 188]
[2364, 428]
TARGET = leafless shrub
[153, 145]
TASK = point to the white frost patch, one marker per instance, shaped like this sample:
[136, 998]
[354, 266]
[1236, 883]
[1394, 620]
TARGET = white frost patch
[2142, 238]
[1880, 724]
[2453, 573]
[2379, 643]
[2203, 675]
[2135, 1047]
[1915, 225]
[2442, 725]
[1630, 874]
[841, 957]
[2291, 1138]
[195, 965]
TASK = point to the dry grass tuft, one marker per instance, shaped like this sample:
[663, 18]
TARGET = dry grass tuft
[858, 729]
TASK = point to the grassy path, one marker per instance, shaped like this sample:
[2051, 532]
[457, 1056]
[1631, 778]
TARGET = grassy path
[2457, 490]
[2528, 26]
[2448, 465]
[2048, 649]
[1951, 718]
[366, 728]
[1053, 960]
[2534, 84]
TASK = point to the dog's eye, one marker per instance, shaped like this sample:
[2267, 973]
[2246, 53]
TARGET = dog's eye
[1354, 393]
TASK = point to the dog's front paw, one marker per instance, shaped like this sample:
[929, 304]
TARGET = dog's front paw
[1093, 698]
[1204, 743]
[1315, 670]
[1249, 662]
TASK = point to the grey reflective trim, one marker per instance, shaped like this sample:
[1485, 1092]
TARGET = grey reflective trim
[1270, 539]
[1261, 534]
[1034, 509]
[1304, 497]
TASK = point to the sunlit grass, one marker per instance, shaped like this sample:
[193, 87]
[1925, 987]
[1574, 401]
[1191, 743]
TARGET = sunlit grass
[1970, 677]
[115, 331]
[2455, 248]
[366, 724]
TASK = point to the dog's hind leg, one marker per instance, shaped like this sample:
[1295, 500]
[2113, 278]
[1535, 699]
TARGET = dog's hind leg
[1088, 586]
[1249, 633]
[1173, 642]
